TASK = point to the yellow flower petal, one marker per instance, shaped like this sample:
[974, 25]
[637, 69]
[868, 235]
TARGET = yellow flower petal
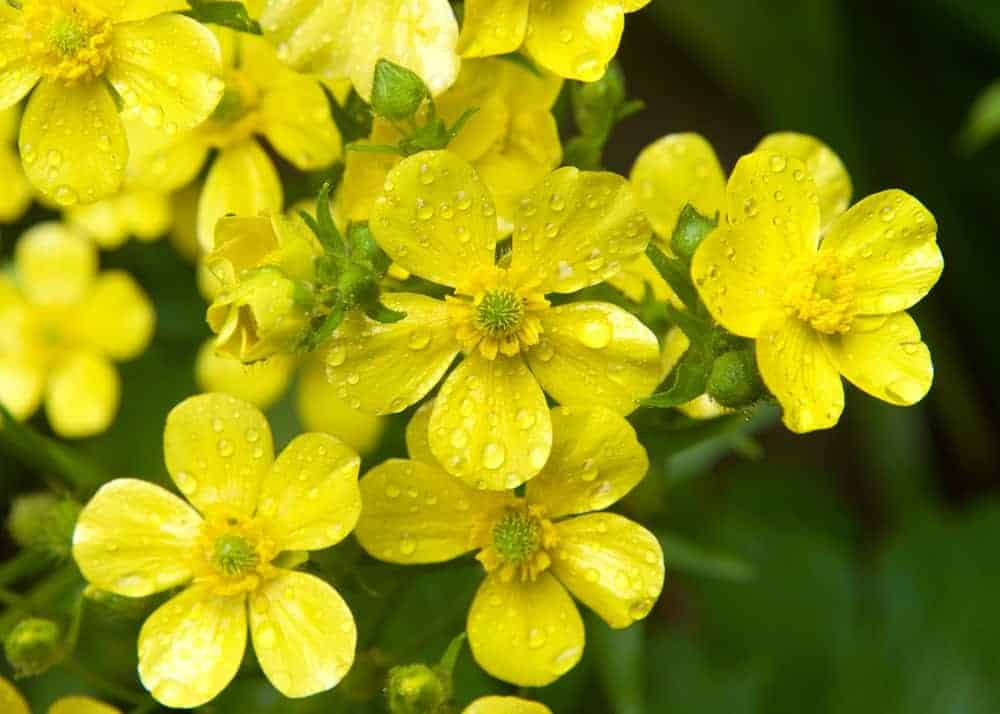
[135, 538]
[303, 634]
[22, 382]
[261, 383]
[676, 170]
[505, 705]
[490, 425]
[385, 367]
[493, 27]
[596, 459]
[117, 316]
[889, 240]
[889, 361]
[418, 444]
[80, 705]
[578, 228]
[611, 565]
[311, 497]
[436, 218]
[321, 409]
[191, 647]
[84, 161]
[575, 39]
[127, 10]
[11, 700]
[82, 395]
[528, 634]
[55, 264]
[827, 170]
[144, 214]
[218, 449]
[17, 73]
[798, 371]
[364, 176]
[416, 513]
[158, 162]
[634, 279]
[166, 69]
[596, 354]
[16, 196]
[241, 182]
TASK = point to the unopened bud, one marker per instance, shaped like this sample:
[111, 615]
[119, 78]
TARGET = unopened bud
[44, 522]
[690, 231]
[397, 93]
[33, 646]
[416, 689]
[734, 380]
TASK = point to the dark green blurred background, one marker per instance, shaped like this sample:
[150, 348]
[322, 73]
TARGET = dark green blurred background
[846, 572]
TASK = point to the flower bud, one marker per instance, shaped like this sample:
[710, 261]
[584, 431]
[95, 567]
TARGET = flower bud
[734, 380]
[690, 231]
[243, 243]
[266, 313]
[33, 646]
[44, 523]
[357, 285]
[397, 93]
[416, 689]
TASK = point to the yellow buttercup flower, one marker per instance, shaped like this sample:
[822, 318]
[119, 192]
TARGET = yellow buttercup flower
[11, 702]
[142, 213]
[16, 195]
[512, 140]
[135, 539]
[523, 626]
[505, 705]
[490, 425]
[84, 55]
[822, 296]
[343, 39]
[575, 39]
[62, 325]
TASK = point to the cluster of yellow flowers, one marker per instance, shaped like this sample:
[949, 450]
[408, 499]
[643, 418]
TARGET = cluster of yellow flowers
[452, 233]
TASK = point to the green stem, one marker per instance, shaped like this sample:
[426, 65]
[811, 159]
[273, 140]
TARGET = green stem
[23, 565]
[105, 685]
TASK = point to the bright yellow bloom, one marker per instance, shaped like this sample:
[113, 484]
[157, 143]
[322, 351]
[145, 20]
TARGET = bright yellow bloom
[62, 325]
[135, 539]
[84, 55]
[343, 39]
[575, 39]
[512, 140]
[11, 702]
[142, 213]
[490, 425]
[243, 180]
[505, 705]
[523, 626]
[822, 294]
[16, 194]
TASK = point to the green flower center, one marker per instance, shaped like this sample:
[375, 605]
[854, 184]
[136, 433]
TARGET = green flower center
[499, 313]
[234, 555]
[517, 536]
[68, 37]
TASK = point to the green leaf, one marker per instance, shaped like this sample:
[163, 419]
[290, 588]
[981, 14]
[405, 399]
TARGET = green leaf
[233, 15]
[677, 275]
[620, 664]
[690, 231]
[353, 119]
[326, 229]
[698, 560]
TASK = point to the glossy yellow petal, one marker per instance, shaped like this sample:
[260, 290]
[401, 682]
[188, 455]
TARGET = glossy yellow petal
[418, 444]
[889, 361]
[311, 497]
[320, 409]
[16, 196]
[191, 647]
[11, 700]
[241, 182]
[889, 240]
[80, 705]
[575, 39]
[55, 264]
[117, 317]
[82, 395]
[18, 74]
[84, 160]
[596, 354]
[364, 176]
[596, 459]
[310, 34]
[827, 170]
[303, 634]
[307, 136]
[145, 214]
[490, 425]
[578, 228]
[505, 705]
[493, 27]
[383, 368]
[218, 449]
[800, 373]
[414, 512]
[135, 538]
[159, 162]
[676, 170]
[167, 71]
[436, 218]
[636, 277]
[611, 565]
[528, 634]
[479, 84]
[127, 10]
[22, 382]
[261, 383]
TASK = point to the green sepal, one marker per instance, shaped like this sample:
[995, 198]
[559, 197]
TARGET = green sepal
[686, 382]
[734, 380]
[678, 276]
[690, 230]
[364, 247]
[327, 327]
[323, 225]
[380, 313]
[233, 15]
[353, 119]
[597, 107]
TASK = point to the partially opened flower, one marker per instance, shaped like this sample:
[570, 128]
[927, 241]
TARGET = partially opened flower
[86, 56]
[523, 626]
[11, 702]
[62, 327]
[343, 39]
[490, 424]
[822, 295]
[505, 705]
[575, 39]
[16, 194]
[135, 538]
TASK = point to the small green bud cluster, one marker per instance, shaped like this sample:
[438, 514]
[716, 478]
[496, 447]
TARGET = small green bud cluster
[44, 523]
[33, 646]
[597, 109]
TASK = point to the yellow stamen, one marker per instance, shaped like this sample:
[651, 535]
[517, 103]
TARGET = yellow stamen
[519, 543]
[823, 296]
[67, 40]
[235, 554]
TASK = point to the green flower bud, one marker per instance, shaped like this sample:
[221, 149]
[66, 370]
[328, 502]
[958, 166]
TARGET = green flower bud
[397, 93]
[44, 522]
[266, 313]
[416, 689]
[357, 285]
[690, 231]
[33, 646]
[596, 104]
[734, 380]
